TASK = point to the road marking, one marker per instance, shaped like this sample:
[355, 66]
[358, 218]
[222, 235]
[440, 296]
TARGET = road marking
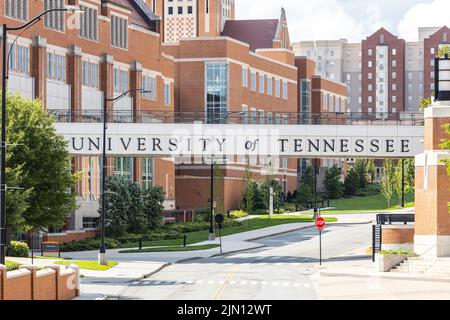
[285, 284]
[221, 289]
[297, 285]
[243, 283]
[210, 282]
[307, 285]
[254, 283]
[274, 283]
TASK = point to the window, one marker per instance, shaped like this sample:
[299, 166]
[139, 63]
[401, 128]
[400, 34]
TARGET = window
[90, 74]
[16, 9]
[56, 67]
[285, 90]
[189, 9]
[394, 63]
[394, 87]
[370, 64]
[121, 80]
[394, 75]
[325, 102]
[170, 10]
[410, 76]
[369, 52]
[180, 10]
[123, 167]
[432, 50]
[394, 52]
[55, 19]
[261, 83]
[369, 99]
[369, 75]
[269, 85]
[167, 93]
[432, 74]
[305, 99]
[277, 88]
[253, 81]
[244, 76]
[119, 32]
[20, 59]
[90, 223]
[89, 23]
[369, 87]
[394, 98]
[149, 84]
[432, 62]
[147, 172]
[217, 92]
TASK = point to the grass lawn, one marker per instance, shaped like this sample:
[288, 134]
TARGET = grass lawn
[11, 266]
[367, 204]
[89, 265]
[51, 258]
[173, 249]
[252, 224]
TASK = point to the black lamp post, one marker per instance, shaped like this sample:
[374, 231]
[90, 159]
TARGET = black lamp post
[3, 146]
[102, 259]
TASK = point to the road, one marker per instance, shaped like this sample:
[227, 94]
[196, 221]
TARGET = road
[283, 269]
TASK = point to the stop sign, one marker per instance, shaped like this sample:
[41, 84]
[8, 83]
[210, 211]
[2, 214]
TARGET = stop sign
[320, 223]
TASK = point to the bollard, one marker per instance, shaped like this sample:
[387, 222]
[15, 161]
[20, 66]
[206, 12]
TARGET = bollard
[140, 243]
[184, 240]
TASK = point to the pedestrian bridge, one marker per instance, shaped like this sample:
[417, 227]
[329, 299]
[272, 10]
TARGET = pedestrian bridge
[323, 135]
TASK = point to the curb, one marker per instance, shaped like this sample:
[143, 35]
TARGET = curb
[148, 275]
[236, 251]
[334, 274]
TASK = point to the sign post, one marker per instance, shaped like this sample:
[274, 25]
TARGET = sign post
[320, 224]
[219, 220]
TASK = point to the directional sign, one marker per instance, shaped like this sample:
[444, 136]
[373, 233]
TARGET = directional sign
[320, 223]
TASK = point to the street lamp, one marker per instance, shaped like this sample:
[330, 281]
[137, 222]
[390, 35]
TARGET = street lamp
[102, 259]
[5, 55]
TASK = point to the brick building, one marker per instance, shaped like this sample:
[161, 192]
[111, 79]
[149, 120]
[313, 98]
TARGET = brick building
[71, 62]
[247, 69]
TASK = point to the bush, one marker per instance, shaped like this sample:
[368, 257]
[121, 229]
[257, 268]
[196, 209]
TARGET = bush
[397, 252]
[18, 249]
[12, 266]
[89, 244]
[236, 214]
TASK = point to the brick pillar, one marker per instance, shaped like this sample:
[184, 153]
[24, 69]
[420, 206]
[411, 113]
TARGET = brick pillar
[432, 221]
[107, 86]
[57, 270]
[33, 288]
[136, 83]
[2, 281]
[39, 67]
[76, 270]
[74, 79]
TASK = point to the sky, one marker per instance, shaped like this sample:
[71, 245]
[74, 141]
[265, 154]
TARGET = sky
[350, 19]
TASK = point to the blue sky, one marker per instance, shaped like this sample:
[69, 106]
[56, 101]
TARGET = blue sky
[351, 19]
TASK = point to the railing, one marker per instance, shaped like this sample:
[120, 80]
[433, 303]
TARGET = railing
[288, 118]
[390, 218]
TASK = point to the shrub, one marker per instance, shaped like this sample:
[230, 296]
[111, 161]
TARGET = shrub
[89, 244]
[397, 252]
[12, 266]
[236, 214]
[18, 249]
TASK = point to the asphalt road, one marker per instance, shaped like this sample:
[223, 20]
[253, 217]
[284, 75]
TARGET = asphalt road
[281, 270]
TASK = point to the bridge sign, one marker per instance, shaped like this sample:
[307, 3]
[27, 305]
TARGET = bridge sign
[320, 223]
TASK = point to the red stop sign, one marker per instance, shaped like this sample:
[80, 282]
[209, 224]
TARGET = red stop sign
[320, 223]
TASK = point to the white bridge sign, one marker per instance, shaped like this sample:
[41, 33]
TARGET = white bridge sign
[197, 139]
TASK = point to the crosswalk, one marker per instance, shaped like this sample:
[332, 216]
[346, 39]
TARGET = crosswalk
[243, 283]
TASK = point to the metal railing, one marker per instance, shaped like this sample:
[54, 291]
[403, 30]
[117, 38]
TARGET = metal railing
[383, 219]
[281, 118]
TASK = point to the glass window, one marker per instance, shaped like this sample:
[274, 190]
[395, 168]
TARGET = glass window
[217, 92]
[244, 76]
[149, 84]
[167, 93]
[285, 90]
[147, 172]
[277, 88]
[269, 85]
[123, 167]
[55, 19]
[90, 74]
[16, 9]
[261, 83]
[56, 67]
[119, 32]
[253, 81]
[19, 60]
[89, 23]
[121, 80]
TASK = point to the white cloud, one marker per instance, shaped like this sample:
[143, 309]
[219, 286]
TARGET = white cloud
[434, 14]
[314, 19]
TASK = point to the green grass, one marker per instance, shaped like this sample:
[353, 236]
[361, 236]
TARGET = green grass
[51, 258]
[11, 265]
[173, 249]
[249, 225]
[367, 204]
[89, 265]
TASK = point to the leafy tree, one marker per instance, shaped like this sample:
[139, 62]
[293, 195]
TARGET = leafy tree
[333, 185]
[370, 168]
[388, 181]
[410, 175]
[218, 190]
[351, 183]
[397, 181]
[305, 192]
[40, 164]
[153, 198]
[118, 199]
[250, 191]
[137, 219]
[361, 172]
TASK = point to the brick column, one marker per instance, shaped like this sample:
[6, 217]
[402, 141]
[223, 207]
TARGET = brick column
[432, 221]
[2, 281]
[57, 270]
[39, 67]
[136, 83]
[107, 86]
[74, 79]
[33, 270]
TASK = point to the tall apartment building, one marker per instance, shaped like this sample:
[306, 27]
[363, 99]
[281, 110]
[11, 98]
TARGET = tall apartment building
[71, 62]
[408, 68]
[192, 18]
[248, 69]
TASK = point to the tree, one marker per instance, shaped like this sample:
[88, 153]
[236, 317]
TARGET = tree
[137, 219]
[117, 204]
[388, 181]
[351, 182]
[333, 185]
[397, 181]
[371, 171]
[248, 197]
[39, 163]
[218, 190]
[410, 175]
[153, 198]
[361, 172]
[305, 193]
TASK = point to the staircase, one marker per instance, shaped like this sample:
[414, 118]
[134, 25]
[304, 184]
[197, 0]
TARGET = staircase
[433, 267]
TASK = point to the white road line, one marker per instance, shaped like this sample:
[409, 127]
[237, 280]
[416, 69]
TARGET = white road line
[297, 285]
[307, 285]
[264, 283]
[233, 282]
[200, 281]
[210, 282]
[285, 284]
[274, 283]
[243, 283]
[254, 283]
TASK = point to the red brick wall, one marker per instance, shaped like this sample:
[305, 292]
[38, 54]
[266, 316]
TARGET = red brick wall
[69, 237]
[397, 235]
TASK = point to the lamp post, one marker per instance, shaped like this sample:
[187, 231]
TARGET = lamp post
[102, 259]
[3, 146]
